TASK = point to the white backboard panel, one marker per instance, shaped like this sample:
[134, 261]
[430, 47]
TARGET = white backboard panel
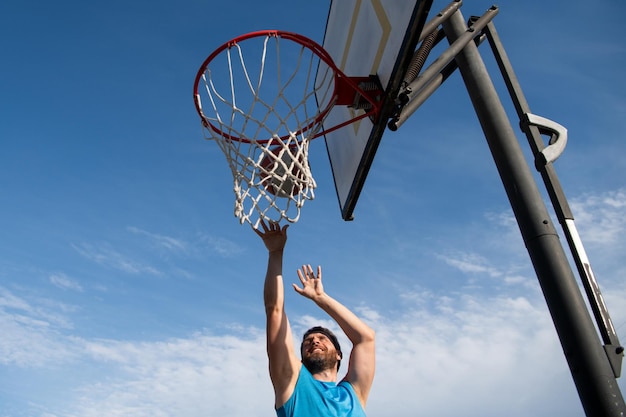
[367, 37]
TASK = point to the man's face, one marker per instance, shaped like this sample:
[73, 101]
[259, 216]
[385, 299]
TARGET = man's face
[319, 353]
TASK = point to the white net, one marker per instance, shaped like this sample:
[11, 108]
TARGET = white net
[265, 108]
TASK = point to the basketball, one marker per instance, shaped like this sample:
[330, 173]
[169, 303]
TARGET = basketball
[281, 174]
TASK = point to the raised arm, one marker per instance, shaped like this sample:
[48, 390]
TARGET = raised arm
[283, 362]
[362, 365]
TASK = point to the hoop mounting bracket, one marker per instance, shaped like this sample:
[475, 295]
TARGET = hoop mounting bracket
[367, 96]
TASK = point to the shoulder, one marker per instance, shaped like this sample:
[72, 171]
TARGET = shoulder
[347, 386]
[353, 406]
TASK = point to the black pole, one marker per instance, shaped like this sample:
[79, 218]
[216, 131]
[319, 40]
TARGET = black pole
[612, 346]
[591, 371]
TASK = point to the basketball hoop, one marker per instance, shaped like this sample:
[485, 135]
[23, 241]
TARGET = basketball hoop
[269, 93]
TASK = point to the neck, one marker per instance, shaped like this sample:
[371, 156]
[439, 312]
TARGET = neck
[327, 375]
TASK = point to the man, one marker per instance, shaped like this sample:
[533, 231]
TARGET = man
[308, 388]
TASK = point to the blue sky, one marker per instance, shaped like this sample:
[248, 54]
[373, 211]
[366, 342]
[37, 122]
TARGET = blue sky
[128, 288]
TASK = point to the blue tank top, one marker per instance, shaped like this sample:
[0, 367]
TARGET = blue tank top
[313, 398]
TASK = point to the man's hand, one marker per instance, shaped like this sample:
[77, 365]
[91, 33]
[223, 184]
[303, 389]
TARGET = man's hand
[311, 284]
[274, 237]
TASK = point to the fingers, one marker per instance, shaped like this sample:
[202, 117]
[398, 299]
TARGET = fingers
[311, 284]
[258, 232]
[272, 227]
[307, 273]
[298, 289]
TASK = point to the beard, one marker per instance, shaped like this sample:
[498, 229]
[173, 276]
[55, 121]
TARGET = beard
[320, 362]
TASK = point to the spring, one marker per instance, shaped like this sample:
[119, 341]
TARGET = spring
[419, 58]
[369, 85]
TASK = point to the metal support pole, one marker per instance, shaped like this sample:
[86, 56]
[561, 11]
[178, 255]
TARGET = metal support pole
[614, 350]
[591, 371]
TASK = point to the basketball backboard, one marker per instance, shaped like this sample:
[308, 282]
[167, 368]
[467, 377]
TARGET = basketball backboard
[367, 37]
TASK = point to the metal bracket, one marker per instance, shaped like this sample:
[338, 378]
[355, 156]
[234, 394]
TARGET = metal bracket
[615, 355]
[557, 142]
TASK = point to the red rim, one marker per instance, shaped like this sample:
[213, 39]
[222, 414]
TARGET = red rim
[317, 49]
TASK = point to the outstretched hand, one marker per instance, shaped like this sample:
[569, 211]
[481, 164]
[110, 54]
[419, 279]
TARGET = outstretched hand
[274, 237]
[311, 284]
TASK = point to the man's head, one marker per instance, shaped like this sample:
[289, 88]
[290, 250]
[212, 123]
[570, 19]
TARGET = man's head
[320, 349]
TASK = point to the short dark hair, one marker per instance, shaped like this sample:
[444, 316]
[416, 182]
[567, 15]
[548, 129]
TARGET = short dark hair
[330, 335]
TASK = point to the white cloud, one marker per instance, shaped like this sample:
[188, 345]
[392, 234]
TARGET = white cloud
[471, 263]
[198, 376]
[471, 355]
[11, 301]
[106, 256]
[64, 282]
[601, 217]
[166, 242]
[31, 334]
[203, 242]
[222, 246]
[439, 352]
